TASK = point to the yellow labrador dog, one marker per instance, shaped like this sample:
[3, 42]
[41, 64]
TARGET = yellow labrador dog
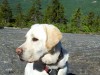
[43, 43]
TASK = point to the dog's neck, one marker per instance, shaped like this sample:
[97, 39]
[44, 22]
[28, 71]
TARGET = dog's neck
[40, 66]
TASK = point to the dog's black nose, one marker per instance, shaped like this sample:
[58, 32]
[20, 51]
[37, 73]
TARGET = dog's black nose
[19, 51]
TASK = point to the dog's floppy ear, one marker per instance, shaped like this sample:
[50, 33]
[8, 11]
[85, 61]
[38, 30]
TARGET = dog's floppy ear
[53, 36]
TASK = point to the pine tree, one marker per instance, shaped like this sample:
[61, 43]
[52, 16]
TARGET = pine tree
[55, 13]
[1, 19]
[97, 24]
[35, 13]
[38, 11]
[6, 11]
[48, 15]
[20, 19]
[90, 19]
[76, 20]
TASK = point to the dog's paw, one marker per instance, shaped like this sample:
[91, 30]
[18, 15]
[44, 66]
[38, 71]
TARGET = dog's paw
[47, 59]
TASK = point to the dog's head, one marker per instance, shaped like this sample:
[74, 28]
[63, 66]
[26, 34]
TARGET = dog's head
[40, 39]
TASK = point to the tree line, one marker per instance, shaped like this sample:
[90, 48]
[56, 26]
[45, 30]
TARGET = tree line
[53, 14]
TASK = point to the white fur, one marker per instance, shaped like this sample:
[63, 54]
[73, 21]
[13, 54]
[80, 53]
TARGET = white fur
[30, 71]
[50, 59]
[33, 50]
[62, 71]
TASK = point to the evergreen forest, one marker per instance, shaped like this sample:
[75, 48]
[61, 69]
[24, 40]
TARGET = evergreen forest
[72, 17]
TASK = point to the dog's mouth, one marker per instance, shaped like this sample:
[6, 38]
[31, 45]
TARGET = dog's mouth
[25, 60]
[29, 59]
[22, 59]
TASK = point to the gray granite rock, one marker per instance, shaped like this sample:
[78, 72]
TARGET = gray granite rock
[84, 50]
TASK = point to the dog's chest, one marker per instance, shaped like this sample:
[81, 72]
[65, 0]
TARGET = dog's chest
[30, 70]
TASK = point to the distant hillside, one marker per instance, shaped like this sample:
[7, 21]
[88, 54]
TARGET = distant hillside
[85, 5]
[70, 5]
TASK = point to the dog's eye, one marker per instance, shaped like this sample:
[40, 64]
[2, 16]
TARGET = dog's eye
[34, 39]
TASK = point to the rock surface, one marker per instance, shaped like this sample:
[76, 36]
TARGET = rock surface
[84, 50]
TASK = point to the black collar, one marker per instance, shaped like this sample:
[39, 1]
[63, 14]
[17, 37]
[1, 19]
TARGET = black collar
[59, 58]
[38, 65]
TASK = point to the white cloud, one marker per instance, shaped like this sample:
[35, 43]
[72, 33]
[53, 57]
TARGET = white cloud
[94, 1]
